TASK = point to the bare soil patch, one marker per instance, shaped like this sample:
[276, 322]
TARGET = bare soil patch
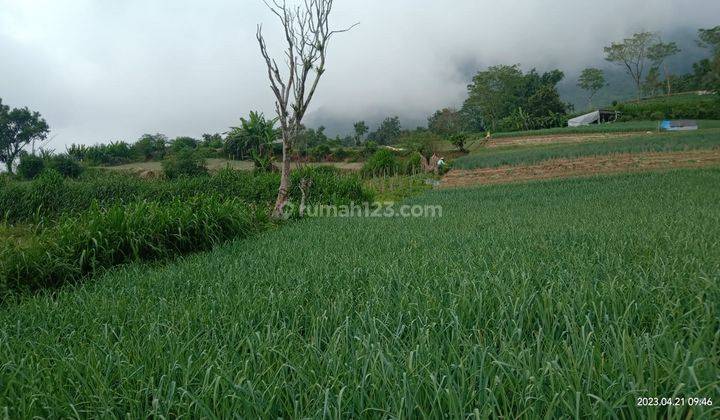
[580, 167]
[562, 138]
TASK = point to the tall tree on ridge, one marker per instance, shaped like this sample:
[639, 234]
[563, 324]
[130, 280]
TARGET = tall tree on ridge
[632, 54]
[658, 54]
[591, 80]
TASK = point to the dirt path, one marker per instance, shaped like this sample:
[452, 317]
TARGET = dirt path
[580, 167]
[562, 138]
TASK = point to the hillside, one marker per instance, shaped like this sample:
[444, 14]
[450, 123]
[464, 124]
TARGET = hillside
[555, 299]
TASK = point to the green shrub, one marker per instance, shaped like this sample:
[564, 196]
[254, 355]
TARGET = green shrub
[113, 153]
[657, 115]
[329, 186]
[100, 238]
[184, 163]
[340, 154]
[413, 164]
[369, 148]
[382, 163]
[65, 165]
[672, 107]
[51, 196]
[30, 166]
[320, 152]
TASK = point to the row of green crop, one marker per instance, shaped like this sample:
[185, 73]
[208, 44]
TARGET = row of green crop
[559, 299]
[695, 107]
[99, 238]
[490, 158]
[50, 195]
[73, 228]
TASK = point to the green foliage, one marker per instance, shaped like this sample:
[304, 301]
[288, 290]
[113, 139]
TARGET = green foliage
[113, 153]
[412, 164]
[370, 148]
[687, 106]
[262, 163]
[30, 166]
[632, 54]
[710, 38]
[183, 143]
[591, 80]
[360, 129]
[184, 162]
[19, 127]
[329, 186]
[151, 146]
[50, 195]
[459, 140]
[446, 122]
[652, 84]
[495, 157]
[423, 142]
[400, 187]
[562, 299]
[254, 134]
[340, 154]
[617, 127]
[320, 152]
[388, 131]
[213, 141]
[101, 238]
[496, 95]
[65, 165]
[381, 163]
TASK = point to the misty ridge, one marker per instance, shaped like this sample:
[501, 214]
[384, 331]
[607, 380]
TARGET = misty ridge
[115, 72]
[618, 88]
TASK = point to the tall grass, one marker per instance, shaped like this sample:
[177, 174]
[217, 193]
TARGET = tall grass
[50, 195]
[673, 142]
[563, 299]
[100, 238]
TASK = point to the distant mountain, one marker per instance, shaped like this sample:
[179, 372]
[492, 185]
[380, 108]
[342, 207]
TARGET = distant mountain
[620, 85]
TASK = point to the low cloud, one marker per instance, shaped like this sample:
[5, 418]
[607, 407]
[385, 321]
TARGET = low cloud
[101, 71]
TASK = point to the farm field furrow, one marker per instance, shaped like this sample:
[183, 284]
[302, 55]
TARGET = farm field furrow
[557, 299]
[583, 167]
[529, 153]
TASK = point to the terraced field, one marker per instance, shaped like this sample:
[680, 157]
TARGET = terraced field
[530, 153]
[583, 167]
[554, 299]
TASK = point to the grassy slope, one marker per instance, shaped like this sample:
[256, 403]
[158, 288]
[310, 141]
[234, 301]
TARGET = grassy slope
[620, 127]
[217, 164]
[563, 298]
[519, 155]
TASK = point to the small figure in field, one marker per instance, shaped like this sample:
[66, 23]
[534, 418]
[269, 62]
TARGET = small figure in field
[432, 165]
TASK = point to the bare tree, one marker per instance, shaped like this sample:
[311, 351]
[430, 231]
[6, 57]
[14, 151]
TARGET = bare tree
[307, 34]
[632, 53]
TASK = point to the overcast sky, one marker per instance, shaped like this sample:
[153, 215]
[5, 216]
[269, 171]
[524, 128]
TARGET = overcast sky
[106, 70]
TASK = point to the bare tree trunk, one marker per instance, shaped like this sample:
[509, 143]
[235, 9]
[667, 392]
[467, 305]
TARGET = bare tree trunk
[284, 190]
[667, 78]
[307, 34]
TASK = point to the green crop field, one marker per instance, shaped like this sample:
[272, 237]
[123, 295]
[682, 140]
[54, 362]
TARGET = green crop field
[525, 154]
[619, 127]
[558, 299]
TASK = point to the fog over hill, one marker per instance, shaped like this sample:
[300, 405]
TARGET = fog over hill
[100, 71]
